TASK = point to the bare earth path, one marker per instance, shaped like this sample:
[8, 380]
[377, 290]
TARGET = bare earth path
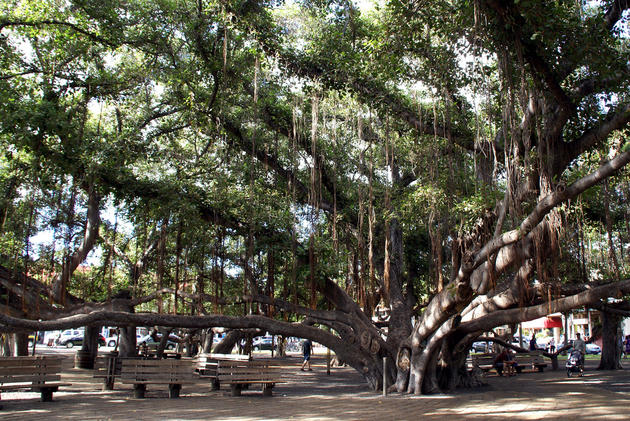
[343, 395]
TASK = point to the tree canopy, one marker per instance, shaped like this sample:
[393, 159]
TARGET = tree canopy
[309, 167]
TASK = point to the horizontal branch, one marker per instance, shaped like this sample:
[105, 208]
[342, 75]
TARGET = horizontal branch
[589, 297]
[616, 120]
[121, 318]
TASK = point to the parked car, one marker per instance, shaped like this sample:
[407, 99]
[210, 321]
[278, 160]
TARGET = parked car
[77, 340]
[113, 340]
[264, 343]
[481, 346]
[516, 342]
[151, 343]
[593, 349]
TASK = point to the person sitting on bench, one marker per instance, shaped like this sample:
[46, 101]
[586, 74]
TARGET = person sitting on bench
[504, 361]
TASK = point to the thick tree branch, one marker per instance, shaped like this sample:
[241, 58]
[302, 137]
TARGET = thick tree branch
[616, 120]
[460, 291]
[546, 204]
[590, 297]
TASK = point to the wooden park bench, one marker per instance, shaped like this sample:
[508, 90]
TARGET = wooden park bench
[484, 362]
[141, 372]
[239, 373]
[38, 374]
[108, 368]
[206, 365]
[533, 360]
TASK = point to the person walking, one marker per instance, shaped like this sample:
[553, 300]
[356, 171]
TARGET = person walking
[532, 343]
[307, 347]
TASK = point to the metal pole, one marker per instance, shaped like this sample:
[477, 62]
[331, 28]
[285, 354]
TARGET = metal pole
[384, 376]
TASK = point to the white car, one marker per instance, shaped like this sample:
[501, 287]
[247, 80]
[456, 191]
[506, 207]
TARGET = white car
[66, 335]
[593, 349]
[113, 340]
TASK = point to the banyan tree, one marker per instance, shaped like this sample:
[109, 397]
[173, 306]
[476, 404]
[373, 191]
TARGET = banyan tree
[388, 180]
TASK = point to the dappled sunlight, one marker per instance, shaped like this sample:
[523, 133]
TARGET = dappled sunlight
[344, 394]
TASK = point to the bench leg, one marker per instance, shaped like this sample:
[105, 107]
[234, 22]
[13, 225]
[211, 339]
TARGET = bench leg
[108, 383]
[173, 390]
[267, 389]
[215, 385]
[138, 390]
[47, 394]
[236, 389]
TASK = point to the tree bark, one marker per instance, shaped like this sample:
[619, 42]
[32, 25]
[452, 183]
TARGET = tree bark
[90, 341]
[71, 263]
[207, 341]
[610, 342]
[20, 344]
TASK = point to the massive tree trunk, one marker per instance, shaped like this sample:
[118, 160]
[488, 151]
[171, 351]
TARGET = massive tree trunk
[610, 342]
[86, 356]
[207, 338]
[20, 343]
[90, 341]
[127, 344]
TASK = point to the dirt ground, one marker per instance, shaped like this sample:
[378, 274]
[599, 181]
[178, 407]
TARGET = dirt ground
[341, 396]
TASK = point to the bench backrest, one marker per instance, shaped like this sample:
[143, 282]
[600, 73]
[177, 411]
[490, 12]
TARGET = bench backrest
[530, 358]
[207, 363]
[483, 359]
[255, 370]
[30, 370]
[165, 370]
[111, 365]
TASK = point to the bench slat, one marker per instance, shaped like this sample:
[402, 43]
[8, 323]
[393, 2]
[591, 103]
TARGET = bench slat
[22, 361]
[17, 378]
[252, 377]
[158, 363]
[32, 386]
[223, 370]
[253, 363]
[26, 369]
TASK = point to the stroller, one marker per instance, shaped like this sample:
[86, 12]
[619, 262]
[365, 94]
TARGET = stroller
[575, 364]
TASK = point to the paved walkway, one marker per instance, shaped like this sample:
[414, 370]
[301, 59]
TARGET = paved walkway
[343, 395]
